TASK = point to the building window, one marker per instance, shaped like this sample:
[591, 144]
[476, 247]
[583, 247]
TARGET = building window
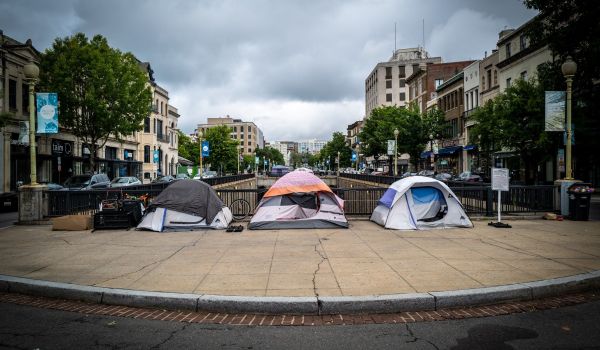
[249, 128]
[402, 83]
[147, 124]
[508, 82]
[110, 153]
[388, 84]
[249, 150]
[146, 154]
[415, 67]
[161, 108]
[24, 98]
[402, 96]
[523, 42]
[241, 128]
[438, 82]
[146, 175]
[159, 129]
[508, 50]
[249, 143]
[12, 94]
[388, 72]
[495, 77]
[489, 78]
[483, 82]
[388, 97]
[524, 75]
[401, 72]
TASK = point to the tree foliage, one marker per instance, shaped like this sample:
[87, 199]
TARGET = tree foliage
[223, 149]
[413, 130]
[514, 120]
[102, 91]
[329, 153]
[188, 149]
[271, 154]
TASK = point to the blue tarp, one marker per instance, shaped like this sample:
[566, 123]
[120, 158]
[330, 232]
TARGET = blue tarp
[388, 197]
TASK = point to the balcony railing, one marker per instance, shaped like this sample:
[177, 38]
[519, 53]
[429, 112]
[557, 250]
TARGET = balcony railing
[162, 138]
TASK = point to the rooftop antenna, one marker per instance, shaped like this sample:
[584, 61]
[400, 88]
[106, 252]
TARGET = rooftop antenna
[394, 39]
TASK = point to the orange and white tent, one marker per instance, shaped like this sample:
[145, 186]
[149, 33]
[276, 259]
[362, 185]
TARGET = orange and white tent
[299, 200]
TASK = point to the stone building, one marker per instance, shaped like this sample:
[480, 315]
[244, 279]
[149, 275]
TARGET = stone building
[248, 134]
[386, 84]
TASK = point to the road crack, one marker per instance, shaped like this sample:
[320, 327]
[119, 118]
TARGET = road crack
[416, 339]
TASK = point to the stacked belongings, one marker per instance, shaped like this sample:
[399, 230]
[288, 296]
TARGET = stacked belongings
[419, 203]
[186, 205]
[299, 200]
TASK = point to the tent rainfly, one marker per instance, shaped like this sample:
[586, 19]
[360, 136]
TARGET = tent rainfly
[299, 200]
[419, 203]
[186, 205]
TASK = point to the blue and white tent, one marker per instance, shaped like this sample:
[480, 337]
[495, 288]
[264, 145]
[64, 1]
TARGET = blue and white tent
[419, 203]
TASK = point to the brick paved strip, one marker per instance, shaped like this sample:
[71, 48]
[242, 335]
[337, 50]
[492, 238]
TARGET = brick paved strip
[297, 320]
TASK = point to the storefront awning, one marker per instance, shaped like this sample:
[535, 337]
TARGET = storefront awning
[470, 147]
[449, 150]
[425, 154]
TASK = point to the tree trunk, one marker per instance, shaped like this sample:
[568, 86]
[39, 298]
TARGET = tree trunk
[92, 148]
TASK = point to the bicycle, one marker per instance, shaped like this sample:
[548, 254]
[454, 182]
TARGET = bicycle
[240, 209]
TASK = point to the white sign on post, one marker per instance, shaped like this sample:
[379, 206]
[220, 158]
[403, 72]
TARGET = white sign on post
[391, 147]
[500, 179]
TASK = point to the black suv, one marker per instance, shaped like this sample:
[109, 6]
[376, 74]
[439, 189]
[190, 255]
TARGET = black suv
[87, 182]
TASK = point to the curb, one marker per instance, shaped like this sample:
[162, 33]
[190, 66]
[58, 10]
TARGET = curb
[304, 305]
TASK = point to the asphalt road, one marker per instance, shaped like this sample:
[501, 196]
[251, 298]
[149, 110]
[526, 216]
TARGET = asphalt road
[574, 327]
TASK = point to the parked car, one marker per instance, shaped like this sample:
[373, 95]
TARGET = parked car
[87, 182]
[467, 176]
[407, 174]
[125, 181]
[428, 173]
[164, 179]
[182, 176]
[305, 169]
[51, 186]
[209, 174]
[444, 177]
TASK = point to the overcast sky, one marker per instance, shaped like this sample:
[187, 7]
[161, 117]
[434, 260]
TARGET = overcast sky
[295, 68]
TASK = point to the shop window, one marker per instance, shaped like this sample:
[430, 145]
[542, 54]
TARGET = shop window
[110, 153]
[146, 175]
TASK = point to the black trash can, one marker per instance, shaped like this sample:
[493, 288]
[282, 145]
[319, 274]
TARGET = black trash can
[580, 195]
[9, 201]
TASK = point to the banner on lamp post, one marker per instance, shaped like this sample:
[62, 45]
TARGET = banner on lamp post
[391, 147]
[47, 112]
[205, 149]
[555, 110]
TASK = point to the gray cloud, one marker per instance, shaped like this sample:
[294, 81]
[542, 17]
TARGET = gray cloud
[297, 66]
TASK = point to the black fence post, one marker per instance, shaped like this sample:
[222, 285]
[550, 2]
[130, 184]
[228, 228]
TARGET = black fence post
[489, 203]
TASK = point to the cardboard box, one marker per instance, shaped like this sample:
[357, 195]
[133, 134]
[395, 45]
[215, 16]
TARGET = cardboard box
[72, 223]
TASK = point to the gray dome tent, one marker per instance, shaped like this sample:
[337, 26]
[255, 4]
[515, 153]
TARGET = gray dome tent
[186, 205]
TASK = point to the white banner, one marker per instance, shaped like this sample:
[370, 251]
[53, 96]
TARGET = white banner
[391, 147]
[500, 179]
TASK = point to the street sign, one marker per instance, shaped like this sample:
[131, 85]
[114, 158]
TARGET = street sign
[391, 147]
[205, 149]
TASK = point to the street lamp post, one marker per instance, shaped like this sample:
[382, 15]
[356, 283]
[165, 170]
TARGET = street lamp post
[338, 164]
[396, 132]
[200, 147]
[238, 157]
[431, 150]
[31, 74]
[569, 68]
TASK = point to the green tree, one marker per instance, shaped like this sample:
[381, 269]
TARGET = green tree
[188, 149]
[413, 132]
[271, 154]
[102, 92]
[223, 149]
[248, 163]
[570, 28]
[335, 145]
[515, 120]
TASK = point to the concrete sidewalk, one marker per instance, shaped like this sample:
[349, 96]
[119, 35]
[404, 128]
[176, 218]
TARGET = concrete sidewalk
[361, 261]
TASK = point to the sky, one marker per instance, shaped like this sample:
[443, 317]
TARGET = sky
[295, 68]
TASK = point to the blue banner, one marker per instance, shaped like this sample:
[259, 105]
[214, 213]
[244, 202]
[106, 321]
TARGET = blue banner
[47, 112]
[353, 156]
[156, 157]
[205, 149]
